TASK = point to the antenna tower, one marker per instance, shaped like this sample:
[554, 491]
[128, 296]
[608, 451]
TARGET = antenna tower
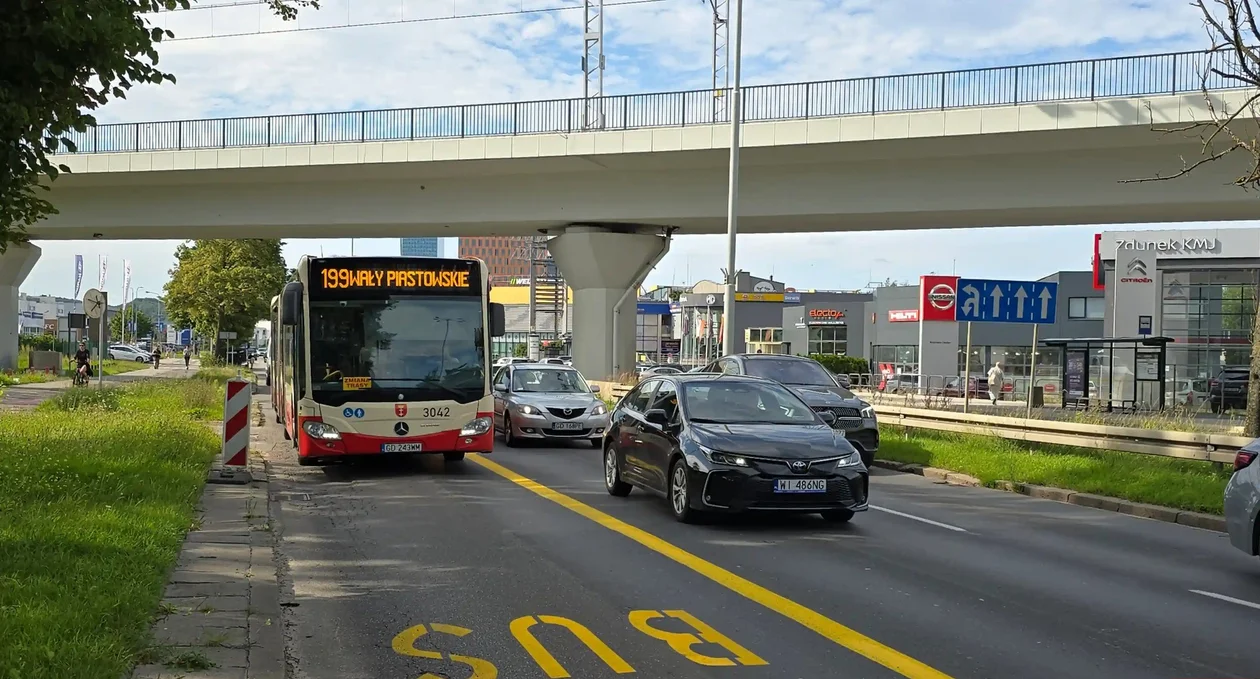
[721, 39]
[593, 65]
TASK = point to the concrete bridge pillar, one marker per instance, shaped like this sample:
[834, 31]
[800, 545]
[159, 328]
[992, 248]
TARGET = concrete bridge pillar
[605, 265]
[15, 265]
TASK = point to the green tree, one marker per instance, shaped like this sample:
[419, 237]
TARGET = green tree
[60, 60]
[1233, 30]
[225, 285]
[137, 319]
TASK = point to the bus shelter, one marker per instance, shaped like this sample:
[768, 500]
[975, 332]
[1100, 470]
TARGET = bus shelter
[1113, 373]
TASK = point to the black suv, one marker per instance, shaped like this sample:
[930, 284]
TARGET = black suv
[1228, 389]
[817, 387]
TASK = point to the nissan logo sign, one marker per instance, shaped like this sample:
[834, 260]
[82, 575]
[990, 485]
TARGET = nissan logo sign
[941, 296]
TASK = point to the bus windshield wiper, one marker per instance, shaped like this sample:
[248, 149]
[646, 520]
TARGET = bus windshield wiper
[437, 382]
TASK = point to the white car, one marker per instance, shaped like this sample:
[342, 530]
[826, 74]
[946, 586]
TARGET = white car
[124, 352]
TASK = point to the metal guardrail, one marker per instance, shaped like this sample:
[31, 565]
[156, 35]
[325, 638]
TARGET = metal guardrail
[1081, 80]
[1185, 445]
[1208, 447]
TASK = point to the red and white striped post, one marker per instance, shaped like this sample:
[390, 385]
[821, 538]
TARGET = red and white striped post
[236, 402]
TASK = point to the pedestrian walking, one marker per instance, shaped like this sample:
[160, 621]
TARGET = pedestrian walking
[996, 381]
[187, 357]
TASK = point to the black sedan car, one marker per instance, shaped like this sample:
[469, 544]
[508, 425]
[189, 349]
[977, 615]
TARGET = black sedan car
[816, 386]
[731, 443]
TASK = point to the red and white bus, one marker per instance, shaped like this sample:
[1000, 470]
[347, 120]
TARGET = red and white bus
[383, 355]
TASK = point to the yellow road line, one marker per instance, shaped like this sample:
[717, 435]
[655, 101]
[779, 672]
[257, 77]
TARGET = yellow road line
[851, 639]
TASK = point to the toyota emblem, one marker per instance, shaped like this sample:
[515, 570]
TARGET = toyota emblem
[799, 465]
[401, 429]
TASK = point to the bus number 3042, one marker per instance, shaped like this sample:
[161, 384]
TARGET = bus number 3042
[435, 412]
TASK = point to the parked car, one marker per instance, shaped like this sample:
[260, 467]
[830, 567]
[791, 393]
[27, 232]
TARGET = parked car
[127, 352]
[509, 360]
[977, 386]
[545, 402]
[815, 385]
[661, 370]
[726, 443]
[1228, 389]
[1242, 500]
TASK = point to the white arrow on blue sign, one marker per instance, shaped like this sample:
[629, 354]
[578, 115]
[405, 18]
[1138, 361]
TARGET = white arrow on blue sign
[988, 301]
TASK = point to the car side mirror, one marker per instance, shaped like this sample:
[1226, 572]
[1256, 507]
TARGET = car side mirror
[594, 388]
[828, 417]
[657, 417]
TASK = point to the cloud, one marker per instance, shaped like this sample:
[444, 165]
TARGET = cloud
[665, 45]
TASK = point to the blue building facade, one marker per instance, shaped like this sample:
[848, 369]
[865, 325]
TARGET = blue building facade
[420, 247]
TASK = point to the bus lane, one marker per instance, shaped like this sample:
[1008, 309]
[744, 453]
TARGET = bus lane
[426, 569]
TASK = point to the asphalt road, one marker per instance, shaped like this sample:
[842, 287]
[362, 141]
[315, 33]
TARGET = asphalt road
[398, 570]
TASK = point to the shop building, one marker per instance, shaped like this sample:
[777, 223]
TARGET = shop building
[1196, 287]
[831, 323]
[910, 330]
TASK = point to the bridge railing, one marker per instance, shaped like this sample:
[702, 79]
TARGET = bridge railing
[1089, 79]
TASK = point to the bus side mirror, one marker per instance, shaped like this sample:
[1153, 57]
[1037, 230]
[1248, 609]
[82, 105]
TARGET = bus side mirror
[498, 320]
[290, 303]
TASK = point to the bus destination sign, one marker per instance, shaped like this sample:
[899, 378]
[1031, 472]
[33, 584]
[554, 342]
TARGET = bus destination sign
[393, 276]
[346, 278]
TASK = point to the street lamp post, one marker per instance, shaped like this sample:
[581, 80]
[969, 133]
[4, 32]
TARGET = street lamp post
[736, 110]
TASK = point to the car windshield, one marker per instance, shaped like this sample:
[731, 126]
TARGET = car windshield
[721, 401]
[549, 380]
[790, 371]
[428, 344]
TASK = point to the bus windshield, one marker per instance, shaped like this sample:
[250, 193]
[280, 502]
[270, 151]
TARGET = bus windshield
[427, 346]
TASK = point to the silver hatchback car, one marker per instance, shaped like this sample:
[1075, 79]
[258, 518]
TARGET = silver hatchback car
[547, 402]
[1242, 500]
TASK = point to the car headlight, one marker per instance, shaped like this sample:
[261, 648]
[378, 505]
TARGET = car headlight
[854, 459]
[724, 458]
[599, 409]
[322, 431]
[868, 412]
[476, 427]
[530, 410]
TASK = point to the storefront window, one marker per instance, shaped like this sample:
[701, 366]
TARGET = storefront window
[764, 340]
[904, 358]
[1209, 315]
[832, 340]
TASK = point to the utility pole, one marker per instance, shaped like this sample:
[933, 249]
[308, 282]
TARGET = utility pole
[732, 204]
[721, 59]
[593, 65]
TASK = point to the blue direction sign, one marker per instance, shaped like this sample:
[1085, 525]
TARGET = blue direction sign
[986, 301]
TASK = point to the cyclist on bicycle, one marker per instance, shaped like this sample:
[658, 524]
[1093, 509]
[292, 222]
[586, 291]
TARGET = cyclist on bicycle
[83, 362]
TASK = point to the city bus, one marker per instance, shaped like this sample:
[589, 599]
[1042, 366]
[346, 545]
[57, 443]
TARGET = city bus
[385, 355]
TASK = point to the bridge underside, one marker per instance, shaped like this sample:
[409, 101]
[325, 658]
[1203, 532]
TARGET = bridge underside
[1038, 178]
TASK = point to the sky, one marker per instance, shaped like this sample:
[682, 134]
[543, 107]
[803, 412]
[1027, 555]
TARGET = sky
[231, 61]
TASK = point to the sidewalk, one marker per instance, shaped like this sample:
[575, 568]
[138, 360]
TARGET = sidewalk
[27, 396]
[222, 602]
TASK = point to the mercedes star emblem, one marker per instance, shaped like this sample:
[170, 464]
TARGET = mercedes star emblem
[401, 429]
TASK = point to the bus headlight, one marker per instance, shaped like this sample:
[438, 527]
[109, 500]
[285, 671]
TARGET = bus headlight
[477, 427]
[319, 430]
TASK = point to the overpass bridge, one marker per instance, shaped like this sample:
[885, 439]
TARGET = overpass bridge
[1038, 144]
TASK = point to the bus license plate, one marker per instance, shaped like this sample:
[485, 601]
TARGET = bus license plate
[800, 486]
[567, 426]
[401, 447]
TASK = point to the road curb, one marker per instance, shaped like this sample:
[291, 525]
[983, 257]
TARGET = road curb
[1156, 512]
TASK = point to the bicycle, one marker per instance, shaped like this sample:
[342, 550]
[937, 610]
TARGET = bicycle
[81, 376]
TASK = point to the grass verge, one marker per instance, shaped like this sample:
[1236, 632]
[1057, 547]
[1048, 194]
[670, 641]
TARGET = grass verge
[99, 489]
[1182, 484]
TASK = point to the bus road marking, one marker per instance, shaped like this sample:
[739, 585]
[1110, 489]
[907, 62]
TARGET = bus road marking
[684, 643]
[404, 643]
[826, 627]
[547, 662]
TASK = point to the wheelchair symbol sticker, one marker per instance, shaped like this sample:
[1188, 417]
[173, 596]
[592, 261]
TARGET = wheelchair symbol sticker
[348, 413]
